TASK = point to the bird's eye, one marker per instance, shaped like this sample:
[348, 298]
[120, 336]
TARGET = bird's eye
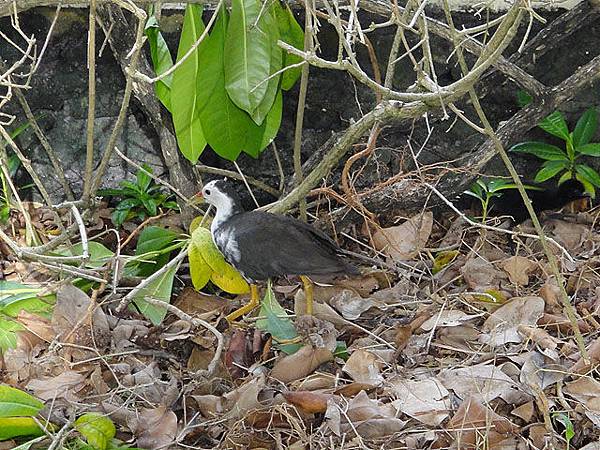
[207, 192]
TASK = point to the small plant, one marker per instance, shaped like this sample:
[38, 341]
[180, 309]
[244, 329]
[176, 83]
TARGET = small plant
[484, 191]
[563, 419]
[566, 161]
[139, 200]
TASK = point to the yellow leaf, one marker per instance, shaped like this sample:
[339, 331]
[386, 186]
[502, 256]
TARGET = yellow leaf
[196, 221]
[200, 271]
[442, 259]
[230, 281]
[222, 273]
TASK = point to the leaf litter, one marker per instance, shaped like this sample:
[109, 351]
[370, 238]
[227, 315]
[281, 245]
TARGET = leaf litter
[470, 349]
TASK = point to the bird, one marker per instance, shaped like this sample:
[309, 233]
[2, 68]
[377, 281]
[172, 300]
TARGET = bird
[261, 245]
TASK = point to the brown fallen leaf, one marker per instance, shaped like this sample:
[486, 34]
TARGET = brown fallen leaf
[364, 367]
[193, 302]
[481, 275]
[539, 336]
[474, 422]
[525, 411]
[302, 363]
[518, 269]
[581, 366]
[561, 324]
[404, 241]
[244, 399]
[156, 428]
[427, 400]
[352, 389]
[309, 402]
[238, 354]
[64, 385]
[586, 390]
[501, 327]
[550, 292]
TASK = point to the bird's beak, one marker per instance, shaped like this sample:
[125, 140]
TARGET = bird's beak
[197, 198]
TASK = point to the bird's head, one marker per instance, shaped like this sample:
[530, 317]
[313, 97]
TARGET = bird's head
[221, 195]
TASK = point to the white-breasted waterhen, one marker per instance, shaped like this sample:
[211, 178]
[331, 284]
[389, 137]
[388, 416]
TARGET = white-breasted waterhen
[261, 245]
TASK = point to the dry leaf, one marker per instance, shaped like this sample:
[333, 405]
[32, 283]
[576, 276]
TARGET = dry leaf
[364, 367]
[539, 336]
[309, 402]
[581, 366]
[539, 371]
[525, 411]
[425, 400]
[518, 269]
[64, 385]
[473, 421]
[550, 292]
[156, 428]
[481, 275]
[245, 398]
[404, 241]
[447, 318]
[502, 325]
[303, 362]
[587, 391]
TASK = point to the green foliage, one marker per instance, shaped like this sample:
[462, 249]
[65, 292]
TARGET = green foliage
[14, 298]
[153, 249]
[228, 93]
[565, 161]
[161, 59]
[188, 128]
[159, 289]
[17, 409]
[564, 419]
[207, 264]
[277, 323]
[97, 429]
[484, 191]
[139, 200]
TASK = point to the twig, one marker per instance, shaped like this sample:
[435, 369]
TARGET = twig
[91, 59]
[231, 174]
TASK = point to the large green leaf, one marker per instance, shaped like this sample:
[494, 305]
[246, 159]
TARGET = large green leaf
[97, 429]
[98, 253]
[11, 427]
[588, 174]
[161, 60]
[276, 322]
[549, 170]
[8, 336]
[188, 128]
[159, 289]
[589, 149]
[541, 150]
[272, 123]
[248, 46]
[14, 402]
[275, 64]
[555, 125]
[291, 33]
[153, 240]
[229, 130]
[585, 128]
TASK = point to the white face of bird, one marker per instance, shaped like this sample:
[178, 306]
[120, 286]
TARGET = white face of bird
[213, 195]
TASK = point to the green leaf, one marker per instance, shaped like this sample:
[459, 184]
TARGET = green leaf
[11, 427]
[291, 33]
[276, 321]
[589, 187]
[565, 177]
[97, 429]
[229, 130]
[99, 254]
[190, 135]
[153, 239]
[143, 179]
[8, 337]
[150, 204]
[14, 402]
[200, 271]
[119, 216]
[555, 125]
[161, 60]
[585, 128]
[27, 445]
[541, 150]
[589, 149]
[588, 174]
[523, 98]
[159, 289]
[275, 64]
[271, 124]
[549, 170]
[248, 46]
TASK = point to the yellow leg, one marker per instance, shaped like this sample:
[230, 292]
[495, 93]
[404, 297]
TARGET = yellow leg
[308, 293]
[254, 302]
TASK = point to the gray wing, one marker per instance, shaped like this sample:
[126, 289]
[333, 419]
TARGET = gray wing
[271, 245]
